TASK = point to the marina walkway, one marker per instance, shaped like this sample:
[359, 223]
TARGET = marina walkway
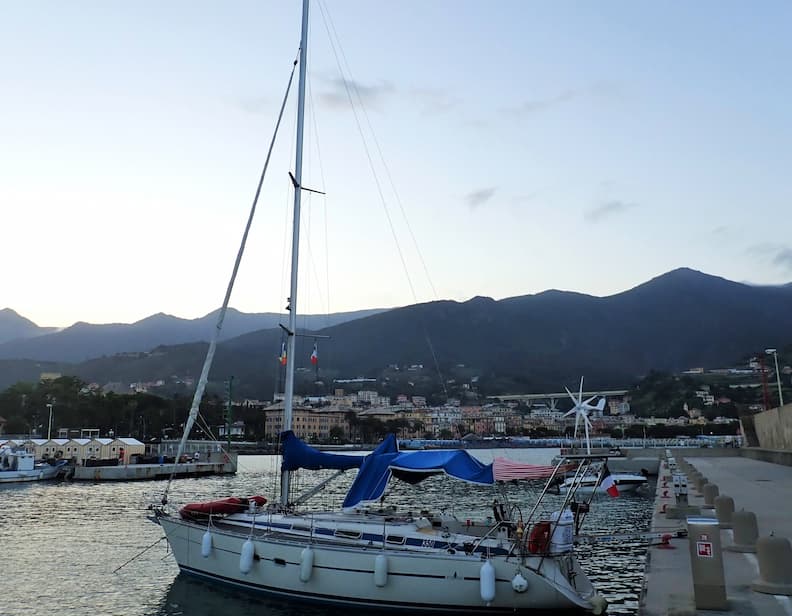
[761, 487]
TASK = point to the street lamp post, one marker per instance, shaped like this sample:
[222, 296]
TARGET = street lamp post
[49, 425]
[774, 353]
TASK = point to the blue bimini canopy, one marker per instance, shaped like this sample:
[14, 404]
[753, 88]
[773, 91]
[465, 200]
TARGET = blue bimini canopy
[296, 454]
[414, 466]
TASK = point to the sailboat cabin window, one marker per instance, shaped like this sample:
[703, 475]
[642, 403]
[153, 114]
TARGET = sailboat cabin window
[347, 534]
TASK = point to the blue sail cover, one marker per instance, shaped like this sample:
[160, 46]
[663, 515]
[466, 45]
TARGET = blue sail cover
[376, 471]
[296, 454]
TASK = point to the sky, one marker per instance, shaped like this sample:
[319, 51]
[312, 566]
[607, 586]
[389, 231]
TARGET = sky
[494, 148]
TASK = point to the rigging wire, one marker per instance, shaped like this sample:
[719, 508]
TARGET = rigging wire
[333, 38]
[314, 270]
[204, 378]
[324, 202]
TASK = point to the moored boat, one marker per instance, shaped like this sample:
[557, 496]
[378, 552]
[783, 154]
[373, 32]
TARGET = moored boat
[19, 465]
[592, 483]
[372, 556]
[367, 555]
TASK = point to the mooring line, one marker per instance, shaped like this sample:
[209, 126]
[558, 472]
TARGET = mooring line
[138, 554]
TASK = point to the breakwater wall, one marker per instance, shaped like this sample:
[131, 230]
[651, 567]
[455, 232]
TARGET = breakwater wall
[774, 428]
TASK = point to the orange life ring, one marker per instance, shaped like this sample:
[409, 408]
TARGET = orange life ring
[539, 539]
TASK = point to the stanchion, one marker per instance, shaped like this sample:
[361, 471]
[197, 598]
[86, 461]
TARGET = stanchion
[706, 563]
[682, 509]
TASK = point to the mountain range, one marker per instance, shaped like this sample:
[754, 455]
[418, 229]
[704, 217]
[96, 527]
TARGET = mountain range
[681, 319]
[20, 338]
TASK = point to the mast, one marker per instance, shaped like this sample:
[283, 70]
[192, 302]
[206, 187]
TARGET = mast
[288, 402]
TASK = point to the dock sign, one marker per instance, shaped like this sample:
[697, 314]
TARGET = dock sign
[704, 549]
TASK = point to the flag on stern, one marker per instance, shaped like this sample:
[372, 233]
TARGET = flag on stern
[607, 483]
[315, 356]
[282, 357]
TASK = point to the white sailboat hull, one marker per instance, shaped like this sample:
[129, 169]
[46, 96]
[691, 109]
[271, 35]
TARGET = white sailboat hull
[437, 581]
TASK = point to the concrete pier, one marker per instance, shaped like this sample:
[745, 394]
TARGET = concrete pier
[216, 464]
[761, 487]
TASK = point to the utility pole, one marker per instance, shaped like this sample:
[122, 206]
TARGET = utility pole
[765, 394]
[774, 353]
[49, 425]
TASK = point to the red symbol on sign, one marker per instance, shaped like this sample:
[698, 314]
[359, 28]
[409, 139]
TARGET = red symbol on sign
[704, 549]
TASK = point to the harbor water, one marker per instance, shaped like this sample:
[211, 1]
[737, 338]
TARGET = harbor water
[74, 548]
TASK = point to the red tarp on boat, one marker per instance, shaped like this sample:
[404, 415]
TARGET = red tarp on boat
[223, 506]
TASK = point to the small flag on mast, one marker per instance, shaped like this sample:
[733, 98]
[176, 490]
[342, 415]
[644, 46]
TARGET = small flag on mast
[282, 357]
[315, 356]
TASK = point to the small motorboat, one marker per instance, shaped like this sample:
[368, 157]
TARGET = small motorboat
[593, 482]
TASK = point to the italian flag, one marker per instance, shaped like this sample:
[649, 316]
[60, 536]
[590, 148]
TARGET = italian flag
[314, 356]
[607, 483]
[282, 357]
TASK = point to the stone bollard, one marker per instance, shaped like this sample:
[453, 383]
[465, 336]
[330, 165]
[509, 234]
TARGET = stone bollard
[746, 532]
[700, 481]
[710, 491]
[724, 509]
[706, 563]
[775, 575]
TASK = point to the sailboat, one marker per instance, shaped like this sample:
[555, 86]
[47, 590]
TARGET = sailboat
[367, 555]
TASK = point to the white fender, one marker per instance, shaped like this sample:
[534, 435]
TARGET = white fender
[599, 604]
[206, 544]
[246, 557]
[306, 564]
[381, 570]
[519, 583]
[487, 582]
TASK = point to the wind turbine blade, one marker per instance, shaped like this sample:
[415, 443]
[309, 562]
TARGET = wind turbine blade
[568, 413]
[571, 396]
[580, 396]
[590, 399]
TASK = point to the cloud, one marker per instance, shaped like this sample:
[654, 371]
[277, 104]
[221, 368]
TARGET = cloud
[541, 104]
[608, 209]
[779, 255]
[599, 89]
[720, 230]
[783, 259]
[479, 197]
[338, 91]
[434, 101]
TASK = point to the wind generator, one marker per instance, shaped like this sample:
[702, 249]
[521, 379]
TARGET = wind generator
[581, 411]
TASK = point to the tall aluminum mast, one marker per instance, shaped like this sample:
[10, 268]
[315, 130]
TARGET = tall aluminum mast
[288, 402]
